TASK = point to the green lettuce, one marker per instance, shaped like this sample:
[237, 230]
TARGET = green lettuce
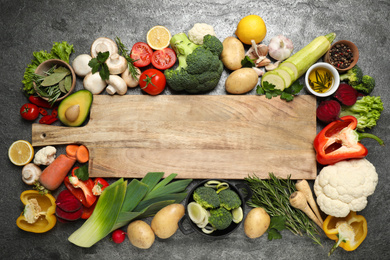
[367, 111]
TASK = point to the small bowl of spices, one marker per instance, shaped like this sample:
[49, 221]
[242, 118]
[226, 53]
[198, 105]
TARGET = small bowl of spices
[343, 55]
[322, 79]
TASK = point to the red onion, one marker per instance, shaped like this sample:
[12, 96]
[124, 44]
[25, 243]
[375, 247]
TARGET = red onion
[346, 94]
[328, 111]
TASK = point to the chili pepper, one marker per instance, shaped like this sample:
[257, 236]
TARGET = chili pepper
[48, 120]
[340, 141]
[39, 102]
[54, 112]
[42, 111]
[100, 185]
[348, 232]
[85, 186]
[38, 214]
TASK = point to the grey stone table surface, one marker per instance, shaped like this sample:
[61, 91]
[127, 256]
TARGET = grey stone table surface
[32, 25]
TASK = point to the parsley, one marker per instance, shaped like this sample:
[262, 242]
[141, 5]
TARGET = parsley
[287, 94]
[82, 173]
[247, 62]
[99, 64]
[278, 223]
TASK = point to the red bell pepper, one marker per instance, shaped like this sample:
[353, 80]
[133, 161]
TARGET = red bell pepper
[40, 102]
[340, 141]
[100, 185]
[85, 187]
[87, 212]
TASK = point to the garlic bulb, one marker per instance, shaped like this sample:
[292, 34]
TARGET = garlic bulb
[31, 173]
[280, 47]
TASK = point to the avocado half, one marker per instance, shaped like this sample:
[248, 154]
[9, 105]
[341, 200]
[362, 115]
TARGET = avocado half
[83, 98]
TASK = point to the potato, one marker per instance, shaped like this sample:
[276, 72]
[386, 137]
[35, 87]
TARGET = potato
[233, 53]
[140, 234]
[256, 223]
[241, 81]
[164, 223]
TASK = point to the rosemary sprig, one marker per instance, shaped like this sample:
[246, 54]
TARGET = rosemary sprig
[273, 195]
[126, 54]
[322, 82]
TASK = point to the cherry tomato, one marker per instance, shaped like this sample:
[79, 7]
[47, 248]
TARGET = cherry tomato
[142, 54]
[152, 81]
[29, 111]
[164, 59]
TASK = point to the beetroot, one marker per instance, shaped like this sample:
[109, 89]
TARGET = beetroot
[346, 94]
[67, 202]
[328, 111]
[69, 216]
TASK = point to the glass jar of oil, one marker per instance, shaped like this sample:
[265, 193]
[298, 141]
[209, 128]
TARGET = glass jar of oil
[320, 79]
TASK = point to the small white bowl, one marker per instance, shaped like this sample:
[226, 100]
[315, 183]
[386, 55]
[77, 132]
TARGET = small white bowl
[335, 75]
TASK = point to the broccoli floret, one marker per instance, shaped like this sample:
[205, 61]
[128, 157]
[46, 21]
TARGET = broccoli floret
[199, 68]
[220, 218]
[367, 85]
[229, 199]
[353, 76]
[206, 197]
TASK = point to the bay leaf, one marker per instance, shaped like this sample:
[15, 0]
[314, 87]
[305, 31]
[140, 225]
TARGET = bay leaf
[68, 83]
[53, 79]
[61, 86]
[62, 69]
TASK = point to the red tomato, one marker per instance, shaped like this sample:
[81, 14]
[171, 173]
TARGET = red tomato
[142, 54]
[152, 81]
[164, 59]
[29, 111]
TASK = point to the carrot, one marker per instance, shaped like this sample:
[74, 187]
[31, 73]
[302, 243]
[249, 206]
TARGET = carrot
[54, 174]
[82, 154]
[71, 150]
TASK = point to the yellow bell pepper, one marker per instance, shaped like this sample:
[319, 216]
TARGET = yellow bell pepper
[38, 214]
[348, 232]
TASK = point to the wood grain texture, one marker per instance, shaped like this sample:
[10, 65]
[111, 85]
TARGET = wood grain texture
[197, 137]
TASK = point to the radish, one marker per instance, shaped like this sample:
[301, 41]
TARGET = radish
[118, 236]
[328, 111]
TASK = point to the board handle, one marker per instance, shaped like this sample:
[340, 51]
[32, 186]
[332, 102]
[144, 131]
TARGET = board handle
[43, 135]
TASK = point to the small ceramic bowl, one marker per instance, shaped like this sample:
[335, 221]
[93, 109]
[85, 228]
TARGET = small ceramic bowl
[217, 233]
[46, 65]
[335, 84]
[354, 50]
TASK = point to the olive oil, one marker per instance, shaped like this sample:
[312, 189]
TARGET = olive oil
[320, 80]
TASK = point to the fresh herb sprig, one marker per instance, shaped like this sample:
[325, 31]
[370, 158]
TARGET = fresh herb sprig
[273, 195]
[98, 64]
[126, 54]
[287, 94]
[322, 83]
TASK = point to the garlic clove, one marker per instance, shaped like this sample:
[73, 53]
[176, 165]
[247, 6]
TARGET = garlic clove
[262, 62]
[272, 66]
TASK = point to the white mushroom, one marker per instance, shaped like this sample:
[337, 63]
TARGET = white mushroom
[94, 83]
[80, 65]
[116, 64]
[31, 173]
[103, 44]
[128, 78]
[116, 85]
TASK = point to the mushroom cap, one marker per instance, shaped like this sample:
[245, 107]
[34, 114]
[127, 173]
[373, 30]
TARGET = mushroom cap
[80, 65]
[130, 81]
[116, 64]
[116, 85]
[94, 83]
[103, 44]
[31, 173]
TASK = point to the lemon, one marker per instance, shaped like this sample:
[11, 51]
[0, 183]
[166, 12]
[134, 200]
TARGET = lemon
[21, 152]
[238, 215]
[158, 37]
[251, 27]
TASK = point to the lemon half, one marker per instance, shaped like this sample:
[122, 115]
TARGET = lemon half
[21, 152]
[158, 37]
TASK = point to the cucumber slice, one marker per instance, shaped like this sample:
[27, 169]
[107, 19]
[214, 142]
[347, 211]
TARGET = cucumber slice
[273, 78]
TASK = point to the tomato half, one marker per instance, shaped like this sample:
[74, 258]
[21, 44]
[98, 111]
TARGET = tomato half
[142, 54]
[29, 111]
[152, 81]
[164, 59]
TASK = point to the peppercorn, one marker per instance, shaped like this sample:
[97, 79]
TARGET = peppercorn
[341, 56]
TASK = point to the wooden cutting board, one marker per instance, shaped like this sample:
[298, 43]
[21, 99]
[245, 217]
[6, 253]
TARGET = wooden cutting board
[199, 137]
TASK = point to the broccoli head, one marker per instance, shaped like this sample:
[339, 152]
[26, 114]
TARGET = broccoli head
[206, 197]
[353, 76]
[229, 199]
[199, 68]
[220, 218]
[367, 85]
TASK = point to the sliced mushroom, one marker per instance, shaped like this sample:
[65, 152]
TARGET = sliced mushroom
[94, 83]
[116, 85]
[103, 44]
[80, 65]
[31, 173]
[116, 64]
[128, 78]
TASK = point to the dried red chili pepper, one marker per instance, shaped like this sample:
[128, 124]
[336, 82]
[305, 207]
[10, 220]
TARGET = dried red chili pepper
[39, 102]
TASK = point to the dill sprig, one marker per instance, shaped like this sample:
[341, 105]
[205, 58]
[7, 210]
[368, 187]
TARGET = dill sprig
[273, 195]
[123, 51]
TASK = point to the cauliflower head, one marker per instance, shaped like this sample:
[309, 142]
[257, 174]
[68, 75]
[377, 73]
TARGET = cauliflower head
[45, 156]
[345, 186]
[198, 31]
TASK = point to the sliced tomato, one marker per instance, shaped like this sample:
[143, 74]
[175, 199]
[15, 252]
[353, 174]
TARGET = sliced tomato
[164, 59]
[142, 54]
